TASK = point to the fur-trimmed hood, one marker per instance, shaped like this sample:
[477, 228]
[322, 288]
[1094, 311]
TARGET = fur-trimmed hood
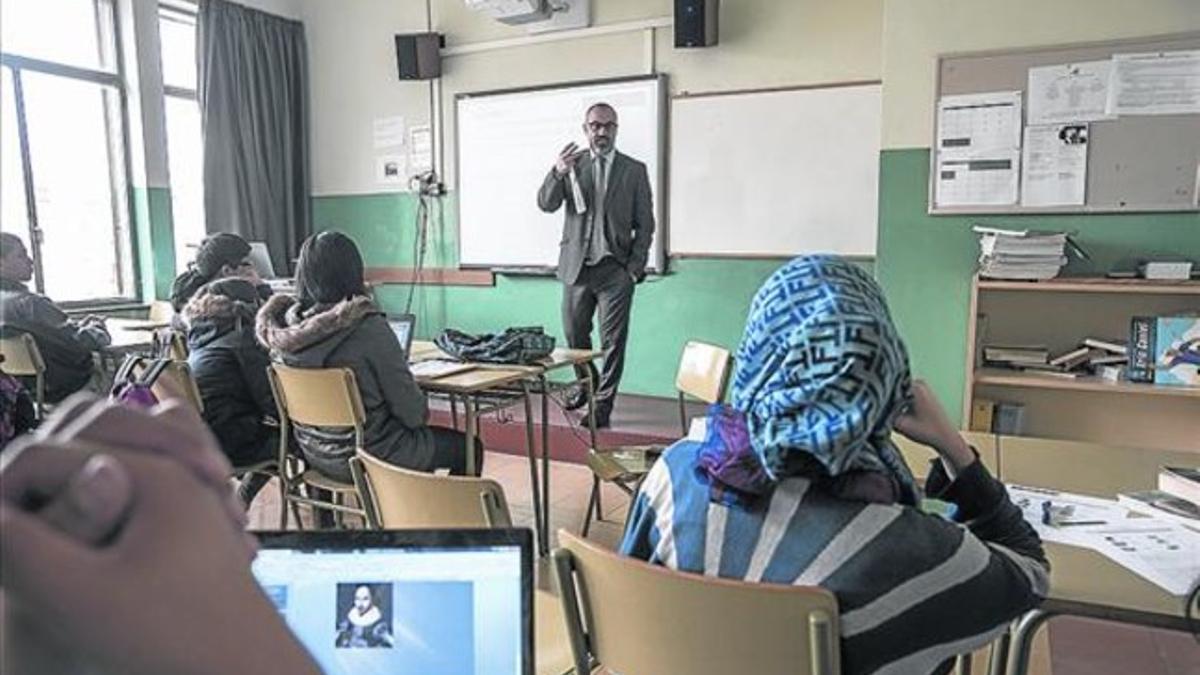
[218, 309]
[309, 335]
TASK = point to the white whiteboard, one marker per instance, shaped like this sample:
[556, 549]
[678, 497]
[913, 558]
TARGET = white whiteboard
[776, 173]
[507, 142]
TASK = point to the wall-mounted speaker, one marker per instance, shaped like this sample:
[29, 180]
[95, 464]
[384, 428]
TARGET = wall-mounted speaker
[418, 56]
[696, 23]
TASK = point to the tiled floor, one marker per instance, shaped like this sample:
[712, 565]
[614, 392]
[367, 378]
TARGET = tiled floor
[1068, 647]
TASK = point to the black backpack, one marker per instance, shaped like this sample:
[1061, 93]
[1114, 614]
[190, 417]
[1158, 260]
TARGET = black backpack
[515, 345]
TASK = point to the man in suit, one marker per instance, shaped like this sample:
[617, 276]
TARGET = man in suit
[607, 227]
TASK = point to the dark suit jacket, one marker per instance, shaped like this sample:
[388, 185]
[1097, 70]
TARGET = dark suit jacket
[628, 215]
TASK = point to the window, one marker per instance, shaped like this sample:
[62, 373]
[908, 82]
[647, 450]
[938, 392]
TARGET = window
[185, 148]
[62, 142]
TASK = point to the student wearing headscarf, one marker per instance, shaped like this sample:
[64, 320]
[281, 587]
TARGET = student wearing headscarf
[798, 482]
[220, 255]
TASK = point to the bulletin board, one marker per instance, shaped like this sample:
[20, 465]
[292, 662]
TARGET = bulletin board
[1135, 163]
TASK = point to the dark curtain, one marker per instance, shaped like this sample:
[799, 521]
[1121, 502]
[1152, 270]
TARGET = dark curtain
[253, 91]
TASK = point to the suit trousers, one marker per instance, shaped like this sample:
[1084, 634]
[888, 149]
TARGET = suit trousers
[607, 287]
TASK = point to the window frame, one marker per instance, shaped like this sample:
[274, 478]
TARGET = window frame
[120, 169]
[182, 11]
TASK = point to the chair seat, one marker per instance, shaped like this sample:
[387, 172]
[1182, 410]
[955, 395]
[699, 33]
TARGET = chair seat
[319, 480]
[623, 464]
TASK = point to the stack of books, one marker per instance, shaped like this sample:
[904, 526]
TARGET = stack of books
[1016, 356]
[1023, 255]
[1177, 498]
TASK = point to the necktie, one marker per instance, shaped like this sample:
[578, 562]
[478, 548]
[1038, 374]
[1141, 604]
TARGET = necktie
[601, 191]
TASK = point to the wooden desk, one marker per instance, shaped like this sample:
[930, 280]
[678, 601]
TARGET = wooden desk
[128, 335]
[468, 386]
[1083, 582]
[536, 375]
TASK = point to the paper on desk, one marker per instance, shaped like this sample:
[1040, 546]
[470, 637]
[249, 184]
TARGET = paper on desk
[1161, 83]
[1166, 554]
[1054, 165]
[1070, 92]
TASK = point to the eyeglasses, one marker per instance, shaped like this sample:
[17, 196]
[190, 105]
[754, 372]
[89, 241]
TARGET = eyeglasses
[601, 126]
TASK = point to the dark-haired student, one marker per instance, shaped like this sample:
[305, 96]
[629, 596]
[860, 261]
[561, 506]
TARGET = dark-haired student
[220, 255]
[334, 324]
[230, 368]
[799, 483]
[66, 345]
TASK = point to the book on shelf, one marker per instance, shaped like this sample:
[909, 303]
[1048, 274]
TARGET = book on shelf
[1023, 255]
[1165, 350]
[1183, 482]
[1112, 374]
[1050, 371]
[1101, 358]
[1072, 358]
[1162, 505]
[1016, 354]
[1107, 344]
[983, 410]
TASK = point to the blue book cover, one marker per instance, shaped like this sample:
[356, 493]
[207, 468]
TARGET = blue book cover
[1177, 351]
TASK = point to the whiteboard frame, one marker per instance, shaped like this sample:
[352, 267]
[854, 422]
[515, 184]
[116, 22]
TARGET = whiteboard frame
[658, 258]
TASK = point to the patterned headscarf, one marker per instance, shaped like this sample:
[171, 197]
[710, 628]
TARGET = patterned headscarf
[822, 374]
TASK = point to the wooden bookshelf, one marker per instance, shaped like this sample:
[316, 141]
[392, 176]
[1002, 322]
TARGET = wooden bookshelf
[1059, 314]
[1000, 377]
[1094, 285]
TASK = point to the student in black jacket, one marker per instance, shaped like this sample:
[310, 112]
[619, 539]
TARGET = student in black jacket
[66, 344]
[230, 368]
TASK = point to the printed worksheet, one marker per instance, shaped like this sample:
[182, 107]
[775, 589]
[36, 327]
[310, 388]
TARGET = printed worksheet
[1071, 92]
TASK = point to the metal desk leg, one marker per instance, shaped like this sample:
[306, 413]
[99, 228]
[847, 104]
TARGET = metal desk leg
[591, 398]
[1022, 641]
[998, 654]
[963, 665]
[472, 432]
[545, 386]
[531, 446]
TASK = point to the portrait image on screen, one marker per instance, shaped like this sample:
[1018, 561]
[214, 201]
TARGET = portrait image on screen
[364, 616]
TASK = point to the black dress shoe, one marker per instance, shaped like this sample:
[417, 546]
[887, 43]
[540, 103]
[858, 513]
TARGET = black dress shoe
[576, 400]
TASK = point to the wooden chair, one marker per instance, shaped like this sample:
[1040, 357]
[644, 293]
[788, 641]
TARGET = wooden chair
[688, 623]
[171, 344]
[399, 498]
[704, 375]
[319, 397]
[161, 310]
[174, 383]
[23, 359]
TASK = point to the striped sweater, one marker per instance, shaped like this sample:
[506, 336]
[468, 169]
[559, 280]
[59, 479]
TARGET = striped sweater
[913, 590]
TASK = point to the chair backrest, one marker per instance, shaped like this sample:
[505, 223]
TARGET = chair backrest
[170, 344]
[1086, 468]
[321, 397]
[175, 383]
[21, 356]
[161, 310]
[703, 371]
[917, 456]
[644, 619]
[399, 498]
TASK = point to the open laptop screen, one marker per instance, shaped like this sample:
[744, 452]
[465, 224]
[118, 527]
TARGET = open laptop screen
[403, 325]
[405, 603]
[260, 257]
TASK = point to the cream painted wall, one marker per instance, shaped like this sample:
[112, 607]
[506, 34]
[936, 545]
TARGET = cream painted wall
[916, 31]
[352, 81]
[764, 43]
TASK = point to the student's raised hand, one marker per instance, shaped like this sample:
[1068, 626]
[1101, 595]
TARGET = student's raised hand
[566, 159]
[153, 575]
[926, 422]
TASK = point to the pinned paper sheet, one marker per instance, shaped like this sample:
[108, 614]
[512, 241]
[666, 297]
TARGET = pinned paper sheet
[388, 132]
[978, 149]
[965, 181]
[975, 125]
[421, 149]
[1072, 92]
[391, 170]
[1164, 83]
[1054, 165]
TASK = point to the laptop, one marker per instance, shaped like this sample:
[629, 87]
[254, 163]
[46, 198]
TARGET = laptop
[405, 602]
[403, 326]
[260, 257]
